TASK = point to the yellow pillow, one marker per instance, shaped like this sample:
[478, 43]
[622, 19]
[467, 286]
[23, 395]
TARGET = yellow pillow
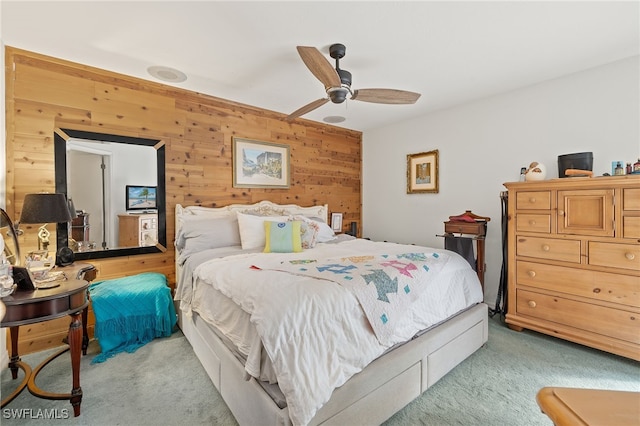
[282, 237]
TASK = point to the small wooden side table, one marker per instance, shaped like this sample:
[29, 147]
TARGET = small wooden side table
[475, 228]
[28, 307]
[581, 407]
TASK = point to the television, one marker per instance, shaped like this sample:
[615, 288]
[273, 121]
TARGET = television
[140, 197]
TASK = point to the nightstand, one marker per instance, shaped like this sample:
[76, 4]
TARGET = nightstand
[49, 334]
[28, 308]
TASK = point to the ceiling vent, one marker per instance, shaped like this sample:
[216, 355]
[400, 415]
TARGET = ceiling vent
[167, 74]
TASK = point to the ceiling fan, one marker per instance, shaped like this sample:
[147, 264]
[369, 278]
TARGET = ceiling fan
[337, 82]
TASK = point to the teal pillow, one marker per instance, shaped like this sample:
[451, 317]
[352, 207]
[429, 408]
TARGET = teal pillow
[282, 237]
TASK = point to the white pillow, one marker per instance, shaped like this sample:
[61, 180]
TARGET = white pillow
[202, 234]
[251, 227]
[200, 213]
[325, 233]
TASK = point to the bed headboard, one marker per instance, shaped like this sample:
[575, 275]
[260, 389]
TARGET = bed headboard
[263, 208]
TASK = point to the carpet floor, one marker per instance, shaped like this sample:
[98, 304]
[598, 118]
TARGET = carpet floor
[163, 383]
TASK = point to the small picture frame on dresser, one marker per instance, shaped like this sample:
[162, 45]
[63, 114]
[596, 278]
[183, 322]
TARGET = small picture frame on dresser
[617, 168]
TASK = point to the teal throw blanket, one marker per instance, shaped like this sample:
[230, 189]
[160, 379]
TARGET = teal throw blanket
[130, 312]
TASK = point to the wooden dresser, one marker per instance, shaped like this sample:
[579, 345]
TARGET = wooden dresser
[137, 230]
[574, 260]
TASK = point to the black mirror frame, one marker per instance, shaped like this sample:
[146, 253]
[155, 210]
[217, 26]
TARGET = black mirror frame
[13, 233]
[60, 150]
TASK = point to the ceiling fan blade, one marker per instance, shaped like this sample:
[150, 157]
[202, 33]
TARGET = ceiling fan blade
[307, 108]
[319, 66]
[385, 96]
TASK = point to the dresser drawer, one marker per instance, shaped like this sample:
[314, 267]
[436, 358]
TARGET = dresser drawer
[631, 227]
[533, 223]
[631, 199]
[625, 256]
[533, 200]
[548, 248]
[477, 228]
[610, 322]
[146, 224]
[602, 286]
[148, 238]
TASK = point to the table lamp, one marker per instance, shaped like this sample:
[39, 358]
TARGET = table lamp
[44, 208]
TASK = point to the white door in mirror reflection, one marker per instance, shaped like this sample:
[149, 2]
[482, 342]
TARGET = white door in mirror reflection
[89, 186]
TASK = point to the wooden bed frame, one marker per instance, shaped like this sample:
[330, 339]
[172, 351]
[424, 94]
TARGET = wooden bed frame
[370, 397]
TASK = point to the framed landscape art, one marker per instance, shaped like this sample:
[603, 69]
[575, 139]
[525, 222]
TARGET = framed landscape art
[260, 164]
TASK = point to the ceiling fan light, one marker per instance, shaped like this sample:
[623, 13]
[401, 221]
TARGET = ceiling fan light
[338, 94]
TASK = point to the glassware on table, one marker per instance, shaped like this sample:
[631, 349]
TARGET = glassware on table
[38, 264]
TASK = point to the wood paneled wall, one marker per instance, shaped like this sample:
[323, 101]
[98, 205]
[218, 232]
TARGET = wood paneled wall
[45, 93]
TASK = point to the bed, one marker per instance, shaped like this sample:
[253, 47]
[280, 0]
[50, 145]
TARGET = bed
[297, 325]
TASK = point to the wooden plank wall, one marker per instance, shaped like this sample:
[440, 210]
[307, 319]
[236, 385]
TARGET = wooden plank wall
[44, 93]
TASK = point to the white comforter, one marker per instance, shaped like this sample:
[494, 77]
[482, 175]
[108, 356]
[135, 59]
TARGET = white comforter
[314, 331]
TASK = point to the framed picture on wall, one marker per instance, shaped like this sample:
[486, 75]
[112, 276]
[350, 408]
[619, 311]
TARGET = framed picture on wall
[422, 172]
[336, 222]
[259, 164]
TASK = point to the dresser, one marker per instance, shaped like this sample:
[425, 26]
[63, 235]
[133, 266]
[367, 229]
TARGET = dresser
[574, 260]
[80, 227]
[137, 230]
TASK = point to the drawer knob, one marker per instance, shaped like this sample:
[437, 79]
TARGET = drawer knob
[630, 256]
[532, 304]
[532, 274]
[532, 199]
[545, 247]
[596, 290]
[532, 222]
[561, 212]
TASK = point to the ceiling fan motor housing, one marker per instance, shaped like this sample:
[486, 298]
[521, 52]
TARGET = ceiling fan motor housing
[345, 76]
[338, 94]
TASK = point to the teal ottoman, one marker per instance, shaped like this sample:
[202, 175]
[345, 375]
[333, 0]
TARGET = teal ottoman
[130, 312]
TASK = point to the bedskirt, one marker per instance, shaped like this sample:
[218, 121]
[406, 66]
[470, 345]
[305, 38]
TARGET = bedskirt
[403, 373]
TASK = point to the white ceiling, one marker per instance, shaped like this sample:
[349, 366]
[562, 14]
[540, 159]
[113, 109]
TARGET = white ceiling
[451, 52]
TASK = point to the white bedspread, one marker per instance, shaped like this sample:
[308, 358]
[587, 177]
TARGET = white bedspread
[313, 330]
[386, 285]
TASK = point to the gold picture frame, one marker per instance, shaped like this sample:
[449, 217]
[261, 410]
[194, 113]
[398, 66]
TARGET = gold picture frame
[259, 164]
[422, 172]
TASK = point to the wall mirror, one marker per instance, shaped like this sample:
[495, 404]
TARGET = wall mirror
[9, 244]
[117, 188]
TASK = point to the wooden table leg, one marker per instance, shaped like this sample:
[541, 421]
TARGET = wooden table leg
[14, 364]
[75, 346]
[15, 358]
[480, 261]
[85, 333]
[75, 342]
